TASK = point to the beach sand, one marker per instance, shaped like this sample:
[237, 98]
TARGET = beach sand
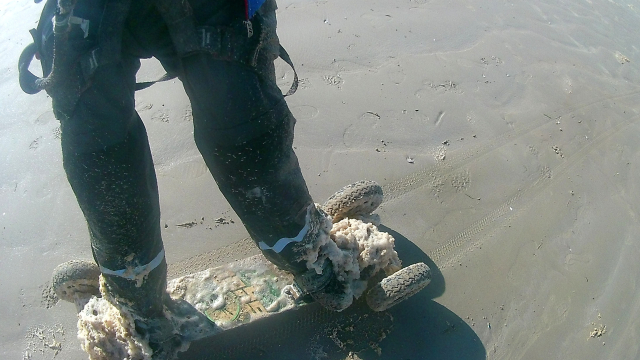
[504, 133]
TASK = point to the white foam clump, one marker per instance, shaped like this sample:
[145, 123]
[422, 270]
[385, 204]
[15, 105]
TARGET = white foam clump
[353, 245]
[108, 333]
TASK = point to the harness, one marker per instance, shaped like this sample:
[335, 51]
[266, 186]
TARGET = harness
[238, 42]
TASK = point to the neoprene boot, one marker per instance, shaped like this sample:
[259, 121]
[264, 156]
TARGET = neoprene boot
[319, 279]
[147, 300]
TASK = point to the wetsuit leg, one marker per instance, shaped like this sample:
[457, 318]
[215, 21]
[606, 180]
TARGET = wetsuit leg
[244, 130]
[108, 164]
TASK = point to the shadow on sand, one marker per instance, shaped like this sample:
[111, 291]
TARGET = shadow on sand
[418, 329]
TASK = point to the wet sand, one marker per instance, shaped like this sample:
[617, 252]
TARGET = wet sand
[504, 135]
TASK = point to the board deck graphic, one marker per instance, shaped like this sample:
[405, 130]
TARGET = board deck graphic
[237, 293]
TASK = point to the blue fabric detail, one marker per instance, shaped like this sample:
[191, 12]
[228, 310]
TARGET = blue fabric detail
[253, 6]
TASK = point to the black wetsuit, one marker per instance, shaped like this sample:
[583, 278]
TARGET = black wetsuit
[242, 127]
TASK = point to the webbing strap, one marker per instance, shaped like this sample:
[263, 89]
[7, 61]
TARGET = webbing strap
[282, 53]
[134, 273]
[146, 84]
[285, 56]
[238, 43]
[109, 38]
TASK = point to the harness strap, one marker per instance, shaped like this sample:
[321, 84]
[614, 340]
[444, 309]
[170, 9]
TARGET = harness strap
[285, 56]
[282, 53]
[239, 42]
[38, 34]
[109, 38]
[146, 84]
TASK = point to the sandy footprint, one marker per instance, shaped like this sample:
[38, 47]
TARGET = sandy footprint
[305, 112]
[160, 116]
[360, 131]
[187, 115]
[460, 181]
[304, 83]
[333, 80]
[45, 118]
[143, 106]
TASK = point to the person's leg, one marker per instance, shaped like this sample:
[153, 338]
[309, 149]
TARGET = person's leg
[108, 163]
[244, 130]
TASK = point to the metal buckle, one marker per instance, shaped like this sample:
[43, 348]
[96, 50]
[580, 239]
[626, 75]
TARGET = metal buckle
[249, 26]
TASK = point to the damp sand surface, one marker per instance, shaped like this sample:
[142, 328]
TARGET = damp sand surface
[504, 135]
